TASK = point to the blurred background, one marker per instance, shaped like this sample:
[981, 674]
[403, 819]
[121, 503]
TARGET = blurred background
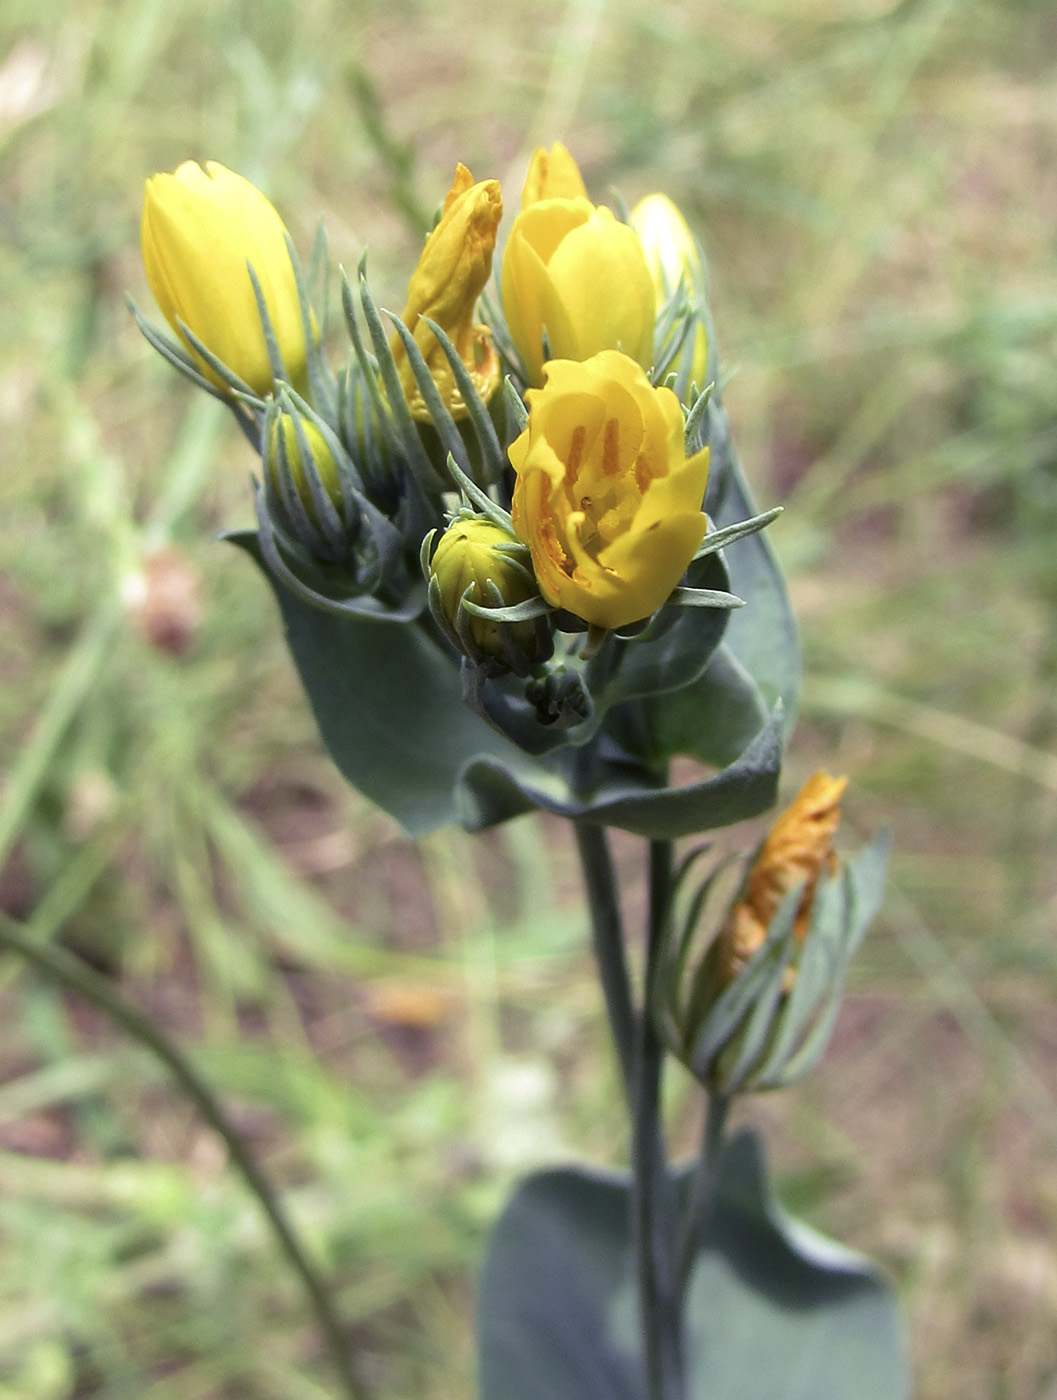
[875, 185]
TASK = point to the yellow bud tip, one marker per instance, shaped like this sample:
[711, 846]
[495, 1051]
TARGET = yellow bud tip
[674, 260]
[668, 244]
[552, 174]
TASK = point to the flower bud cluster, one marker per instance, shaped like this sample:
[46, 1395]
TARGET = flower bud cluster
[586, 504]
[523, 484]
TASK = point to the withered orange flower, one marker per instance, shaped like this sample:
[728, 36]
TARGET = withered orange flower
[798, 851]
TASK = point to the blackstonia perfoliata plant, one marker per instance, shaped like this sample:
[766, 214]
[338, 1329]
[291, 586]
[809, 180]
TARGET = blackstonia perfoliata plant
[519, 568]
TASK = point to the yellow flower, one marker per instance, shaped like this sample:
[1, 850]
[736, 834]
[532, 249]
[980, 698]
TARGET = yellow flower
[451, 274]
[572, 271]
[201, 227]
[798, 850]
[605, 497]
[674, 259]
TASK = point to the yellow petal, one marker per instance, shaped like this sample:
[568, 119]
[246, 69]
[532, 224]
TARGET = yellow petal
[573, 272]
[599, 278]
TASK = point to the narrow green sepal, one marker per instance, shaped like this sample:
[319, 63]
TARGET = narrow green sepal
[719, 539]
[322, 386]
[172, 351]
[704, 598]
[696, 421]
[369, 372]
[480, 498]
[508, 352]
[413, 450]
[527, 611]
[439, 414]
[271, 344]
[492, 453]
[238, 386]
[516, 404]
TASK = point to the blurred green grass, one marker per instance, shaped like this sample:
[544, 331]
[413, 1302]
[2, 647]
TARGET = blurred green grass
[876, 187]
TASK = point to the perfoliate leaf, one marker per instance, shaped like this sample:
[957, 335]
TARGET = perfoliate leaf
[389, 708]
[712, 718]
[772, 1309]
[388, 701]
[625, 797]
[761, 635]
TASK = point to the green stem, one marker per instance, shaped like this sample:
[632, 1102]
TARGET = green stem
[703, 1187]
[607, 933]
[72, 973]
[652, 1211]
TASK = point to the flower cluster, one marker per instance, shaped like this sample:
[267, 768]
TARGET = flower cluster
[590, 471]
[502, 538]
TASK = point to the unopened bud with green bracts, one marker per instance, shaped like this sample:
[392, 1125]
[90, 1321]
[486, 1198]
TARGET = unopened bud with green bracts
[560, 697]
[484, 597]
[312, 485]
[319, 532]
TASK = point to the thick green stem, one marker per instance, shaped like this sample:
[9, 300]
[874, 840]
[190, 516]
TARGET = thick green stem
[607, 932]
[703, 1187]
[72, 973]
[652, 1204]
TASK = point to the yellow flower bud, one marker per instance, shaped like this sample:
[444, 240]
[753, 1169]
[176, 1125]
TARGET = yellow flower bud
[552, 174]
[322, 461]
[798, 850]
[674, 259]
[201, 227]
[605, 498]
[451, 274]
[572, 271]
[473, 553]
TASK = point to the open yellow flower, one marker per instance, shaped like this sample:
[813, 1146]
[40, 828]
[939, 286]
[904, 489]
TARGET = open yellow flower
[798, 850]
[451, 274]
[673, 258]
[573, 272]
[201, 227]
[605, 498]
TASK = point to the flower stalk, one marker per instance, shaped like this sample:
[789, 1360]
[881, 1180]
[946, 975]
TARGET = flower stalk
[653, 1213]
[702, 1187]
[607, 932]
[641, 1055]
